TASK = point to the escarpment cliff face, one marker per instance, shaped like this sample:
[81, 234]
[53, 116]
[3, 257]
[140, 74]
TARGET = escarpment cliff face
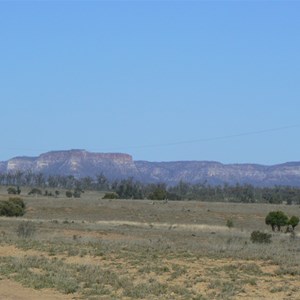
[81, 163]
[216, 173]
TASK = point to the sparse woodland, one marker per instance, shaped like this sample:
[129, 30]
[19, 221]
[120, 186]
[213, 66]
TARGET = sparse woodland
[131, 189]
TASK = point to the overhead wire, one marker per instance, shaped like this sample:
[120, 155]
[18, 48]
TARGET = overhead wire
[174, 143]
[223, 137]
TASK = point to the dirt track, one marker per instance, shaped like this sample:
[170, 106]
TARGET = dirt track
[10, 290]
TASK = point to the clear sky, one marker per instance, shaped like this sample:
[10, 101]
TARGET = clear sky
[160, 80]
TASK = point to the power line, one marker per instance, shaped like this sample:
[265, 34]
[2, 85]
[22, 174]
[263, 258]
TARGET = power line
[175, 143]
[202, 140]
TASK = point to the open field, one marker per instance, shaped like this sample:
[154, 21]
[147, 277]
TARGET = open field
[90, 248]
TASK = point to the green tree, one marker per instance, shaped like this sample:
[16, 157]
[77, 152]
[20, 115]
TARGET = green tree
[35, 191]
[102, 182]
[277, 219]
[128, 189]
[293, 221]
[12, 191]
[159, 193]
[69, 194]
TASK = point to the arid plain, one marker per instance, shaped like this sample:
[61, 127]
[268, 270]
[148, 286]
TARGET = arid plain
[91, 248]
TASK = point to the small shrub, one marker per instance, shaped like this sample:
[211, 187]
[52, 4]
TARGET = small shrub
[14, 207]
[110, 196]
[48, 194]
[69, 194]
[229, 223]
[17, 201]
[293, 221]
[159, 193]
[77, 193]
[260, 237]
[35, 191]
[26, 229]
[14, 191]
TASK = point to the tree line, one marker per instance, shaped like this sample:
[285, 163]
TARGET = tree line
[132, 189]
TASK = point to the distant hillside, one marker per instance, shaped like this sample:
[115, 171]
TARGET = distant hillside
[81, 163]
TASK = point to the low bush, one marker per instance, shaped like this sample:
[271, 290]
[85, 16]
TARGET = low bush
[14, 207]
[110, 196]
[260, 237]
[26, 229]
[293, 222]
[35, 191]
[229, 223]
[13, 191]
[77, 193]
[17, 201]
[69, 194]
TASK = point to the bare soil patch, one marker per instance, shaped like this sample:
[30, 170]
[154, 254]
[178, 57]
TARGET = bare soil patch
[11, 290]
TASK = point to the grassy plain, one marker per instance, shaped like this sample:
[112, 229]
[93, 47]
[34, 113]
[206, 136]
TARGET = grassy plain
[89, 248]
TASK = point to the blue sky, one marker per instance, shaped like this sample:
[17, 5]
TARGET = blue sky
[160, 80]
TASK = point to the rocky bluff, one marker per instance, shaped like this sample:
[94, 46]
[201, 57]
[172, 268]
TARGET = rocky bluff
[81, 163]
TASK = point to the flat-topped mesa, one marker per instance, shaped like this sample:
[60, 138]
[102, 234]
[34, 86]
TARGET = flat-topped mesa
[81, 163]
[74, 162]
[82, 155]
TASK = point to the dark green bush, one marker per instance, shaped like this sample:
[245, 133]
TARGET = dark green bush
[69, 194]
[35, 191]
[110, 196]
[159, 193]
[14, 207]
[229, 223]
[12, 191]
[17, 201]
[293, 222]
[260, 237]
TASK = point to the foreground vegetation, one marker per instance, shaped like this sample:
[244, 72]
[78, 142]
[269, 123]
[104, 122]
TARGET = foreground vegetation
[94, 248]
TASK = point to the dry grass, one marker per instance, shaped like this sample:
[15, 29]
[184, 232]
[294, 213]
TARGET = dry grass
[131, 249]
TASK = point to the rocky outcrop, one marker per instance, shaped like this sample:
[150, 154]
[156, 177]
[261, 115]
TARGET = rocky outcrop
[79, 163]
[217, 173]
[82, 163]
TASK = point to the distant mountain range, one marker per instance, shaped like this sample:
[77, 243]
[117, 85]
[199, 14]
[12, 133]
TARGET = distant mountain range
[81, 163]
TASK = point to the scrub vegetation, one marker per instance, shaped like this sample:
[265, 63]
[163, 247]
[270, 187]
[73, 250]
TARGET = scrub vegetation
[95, 248]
